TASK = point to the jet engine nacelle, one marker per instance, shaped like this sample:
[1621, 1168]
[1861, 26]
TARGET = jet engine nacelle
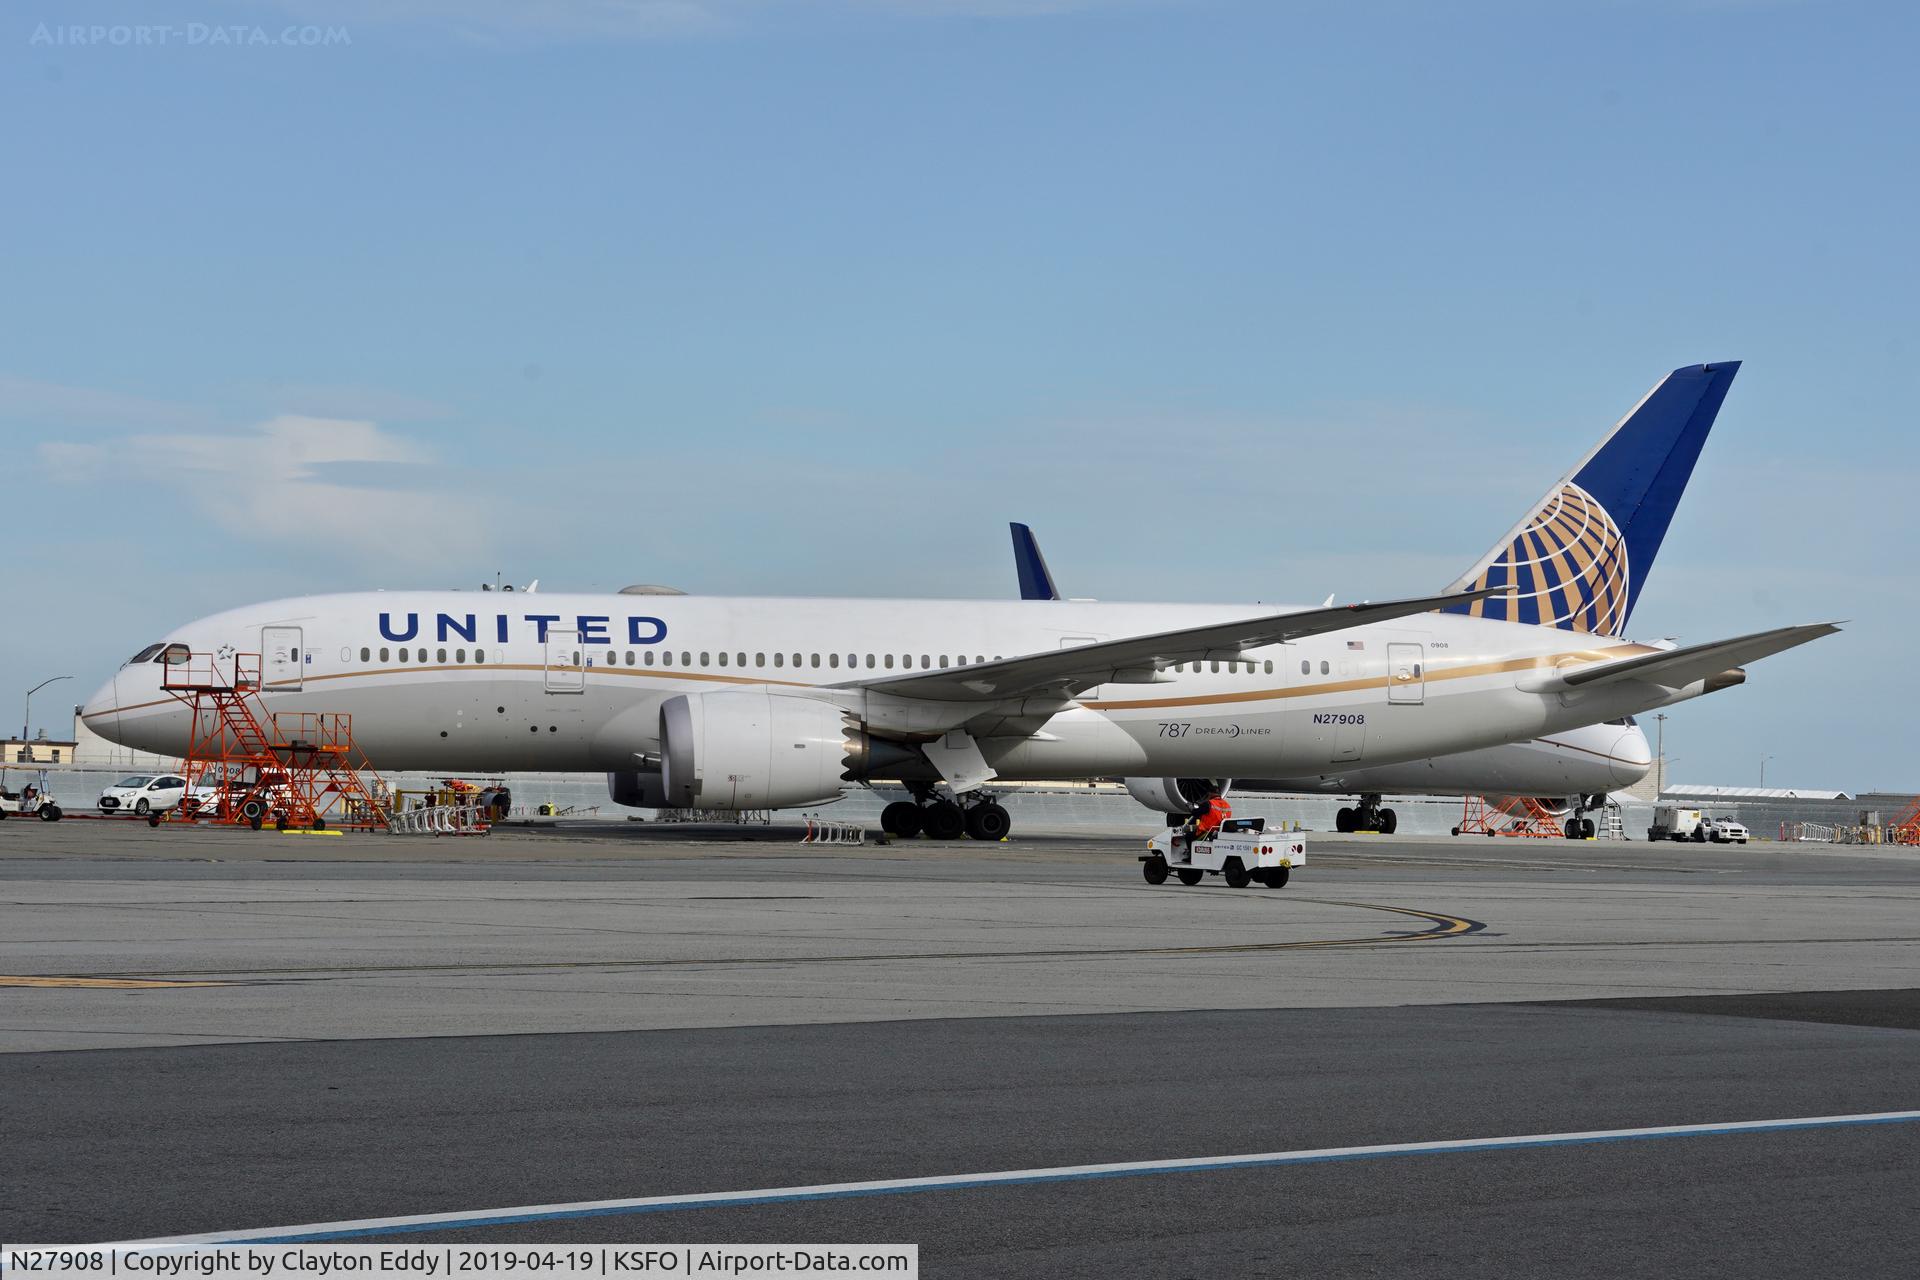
[751, 749]
[1175, 795]
[637, 789]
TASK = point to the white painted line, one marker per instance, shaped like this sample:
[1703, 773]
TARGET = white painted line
[361, 1227]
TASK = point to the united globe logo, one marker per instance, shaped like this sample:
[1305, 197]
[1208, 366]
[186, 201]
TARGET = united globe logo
[1567, 568]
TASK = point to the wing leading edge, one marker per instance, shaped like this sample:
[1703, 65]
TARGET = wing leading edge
[1137, 659]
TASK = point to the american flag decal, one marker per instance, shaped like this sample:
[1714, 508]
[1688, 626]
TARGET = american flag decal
[1356, 644]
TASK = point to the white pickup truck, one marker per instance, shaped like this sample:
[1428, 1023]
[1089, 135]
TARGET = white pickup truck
[1726, 831]
[1240, 853]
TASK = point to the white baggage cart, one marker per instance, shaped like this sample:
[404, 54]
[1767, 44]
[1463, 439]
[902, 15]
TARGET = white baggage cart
[1241, 852]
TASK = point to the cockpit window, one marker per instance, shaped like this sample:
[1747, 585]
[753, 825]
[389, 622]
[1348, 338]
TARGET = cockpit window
[175, 655]
[144, 654]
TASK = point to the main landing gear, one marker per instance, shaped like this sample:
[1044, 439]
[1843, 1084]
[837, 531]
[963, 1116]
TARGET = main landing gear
[1580, 826]
[977, 815]
[1367, 816]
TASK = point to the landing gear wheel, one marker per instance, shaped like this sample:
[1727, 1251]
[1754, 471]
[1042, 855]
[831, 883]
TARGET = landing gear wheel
[1154, 869]
[1188, 876]
[990, 822]
[1235, 873]
[944, 821]
[141, 806]
[1276, 877]
[1388, 822]
[1343, 821]
[901, 818]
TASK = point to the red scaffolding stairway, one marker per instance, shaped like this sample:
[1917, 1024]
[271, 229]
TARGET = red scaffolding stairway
[1514, 816]
[1906, 828]
[297, 769]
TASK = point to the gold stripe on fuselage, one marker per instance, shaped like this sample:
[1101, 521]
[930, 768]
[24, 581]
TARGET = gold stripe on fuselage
[1433, 674]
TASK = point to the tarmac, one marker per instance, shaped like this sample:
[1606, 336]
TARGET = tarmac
[223, 1030]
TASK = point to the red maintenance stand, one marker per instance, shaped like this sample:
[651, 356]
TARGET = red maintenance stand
[248, 766]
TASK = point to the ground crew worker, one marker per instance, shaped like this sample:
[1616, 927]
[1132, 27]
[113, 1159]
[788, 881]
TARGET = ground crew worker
[1209, 815]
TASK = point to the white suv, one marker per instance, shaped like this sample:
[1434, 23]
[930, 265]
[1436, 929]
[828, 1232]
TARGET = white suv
[1726, 831]
[143, 794]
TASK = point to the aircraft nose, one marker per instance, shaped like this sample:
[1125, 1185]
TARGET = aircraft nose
[101, 712]
[1632, 757]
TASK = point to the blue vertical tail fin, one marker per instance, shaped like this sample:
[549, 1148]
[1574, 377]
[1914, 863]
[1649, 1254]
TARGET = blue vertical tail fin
[1579, 558]
[1035, 582]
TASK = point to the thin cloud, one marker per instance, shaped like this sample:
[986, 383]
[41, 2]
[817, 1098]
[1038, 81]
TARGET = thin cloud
[53, 402]
[292, 480]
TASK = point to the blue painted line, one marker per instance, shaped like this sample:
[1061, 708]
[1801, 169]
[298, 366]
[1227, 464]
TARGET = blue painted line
[372, 1228]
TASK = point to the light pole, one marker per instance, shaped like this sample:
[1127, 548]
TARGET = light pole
[26, 729]
[1763, 771]
[1660, 756]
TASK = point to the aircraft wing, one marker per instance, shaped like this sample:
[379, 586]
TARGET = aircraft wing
[1677, 667]
[1136, 659]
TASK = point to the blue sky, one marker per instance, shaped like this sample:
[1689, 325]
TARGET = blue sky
[1230, 300]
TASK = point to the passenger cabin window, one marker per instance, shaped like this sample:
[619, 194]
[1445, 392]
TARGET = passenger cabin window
[706, 659]
[889, 662]
[759, 659]
[479, 655]
[1306, 668]
[386, 655]
[365, 655]
[1324, 668]
[779, 659]
[1269, 666]
[833, 660]
[816, 659]
[442, 658]
[666, 657]
[740, 659]
[459, 655]
[403, 655]
[723, 659]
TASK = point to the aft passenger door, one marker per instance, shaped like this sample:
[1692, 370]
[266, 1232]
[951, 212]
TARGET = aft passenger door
[282, 659]
[1407, 674]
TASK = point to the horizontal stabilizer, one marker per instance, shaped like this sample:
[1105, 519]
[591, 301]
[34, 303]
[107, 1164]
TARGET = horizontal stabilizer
[1676, 668]
[1066, 672]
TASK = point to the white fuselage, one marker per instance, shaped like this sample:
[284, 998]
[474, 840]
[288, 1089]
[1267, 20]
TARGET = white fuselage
[484, 682]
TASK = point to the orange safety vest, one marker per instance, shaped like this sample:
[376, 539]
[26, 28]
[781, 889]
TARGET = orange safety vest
[1218, 811]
